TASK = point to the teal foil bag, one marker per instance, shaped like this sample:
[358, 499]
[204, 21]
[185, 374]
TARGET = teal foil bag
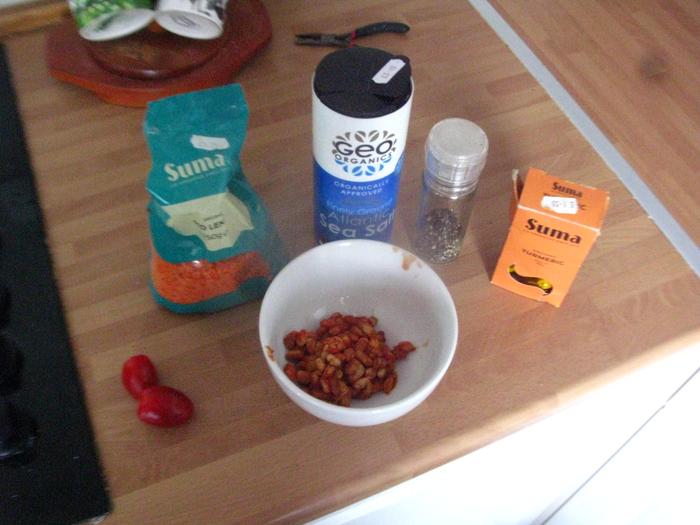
[213, 243]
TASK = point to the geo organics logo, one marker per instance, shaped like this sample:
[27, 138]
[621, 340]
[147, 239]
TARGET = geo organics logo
[364, 152]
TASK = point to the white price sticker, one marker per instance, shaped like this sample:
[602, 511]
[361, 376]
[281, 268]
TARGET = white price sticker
[564, 205]
[388, 70]
[209, 143]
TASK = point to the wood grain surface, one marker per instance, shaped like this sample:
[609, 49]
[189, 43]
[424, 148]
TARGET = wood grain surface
[32, 16]
[635, 68]
[250, 455]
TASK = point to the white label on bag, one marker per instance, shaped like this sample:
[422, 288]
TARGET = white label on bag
[387, 72]
[209, 143]
[563, 205]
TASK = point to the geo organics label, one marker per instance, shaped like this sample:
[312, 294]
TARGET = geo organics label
[357, 169]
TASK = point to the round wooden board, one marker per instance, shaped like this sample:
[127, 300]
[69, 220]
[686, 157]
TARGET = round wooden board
[154, 53]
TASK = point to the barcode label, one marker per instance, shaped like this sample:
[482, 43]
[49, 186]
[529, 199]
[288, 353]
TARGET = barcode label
[564, 205]
[388, 70]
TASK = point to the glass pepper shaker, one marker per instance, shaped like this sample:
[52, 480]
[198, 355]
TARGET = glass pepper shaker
[455, 155]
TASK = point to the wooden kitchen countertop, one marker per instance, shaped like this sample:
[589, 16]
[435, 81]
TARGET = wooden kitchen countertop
[250, 455]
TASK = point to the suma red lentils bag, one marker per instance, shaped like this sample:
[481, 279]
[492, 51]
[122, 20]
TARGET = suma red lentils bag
[213, 243]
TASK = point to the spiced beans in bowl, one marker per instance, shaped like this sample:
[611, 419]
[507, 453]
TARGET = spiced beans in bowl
[357, 332]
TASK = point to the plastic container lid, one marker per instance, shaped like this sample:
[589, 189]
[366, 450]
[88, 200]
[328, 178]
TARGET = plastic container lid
[350, 82]
[455, 153]
[117, 24]
[189, 24]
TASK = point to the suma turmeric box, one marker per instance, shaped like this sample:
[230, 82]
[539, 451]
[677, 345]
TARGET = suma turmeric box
[554, 225]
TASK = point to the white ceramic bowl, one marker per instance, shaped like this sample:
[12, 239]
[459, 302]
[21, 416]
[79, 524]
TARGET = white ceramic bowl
[362, 277]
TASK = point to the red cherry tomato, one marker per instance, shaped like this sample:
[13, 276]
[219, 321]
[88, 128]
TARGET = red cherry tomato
[138, 374]
[164, 406]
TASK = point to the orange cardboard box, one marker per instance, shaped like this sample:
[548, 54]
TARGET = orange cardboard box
[554, 225]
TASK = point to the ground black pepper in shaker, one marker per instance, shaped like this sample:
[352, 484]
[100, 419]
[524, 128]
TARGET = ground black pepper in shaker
[455, 155]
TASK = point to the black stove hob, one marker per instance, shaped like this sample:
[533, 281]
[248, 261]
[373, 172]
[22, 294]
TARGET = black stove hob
[49, 469]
